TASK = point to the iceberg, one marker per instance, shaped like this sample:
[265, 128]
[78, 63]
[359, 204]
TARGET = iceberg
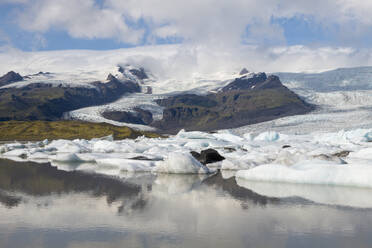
[127, 164]
[312, 172]
[181, 163]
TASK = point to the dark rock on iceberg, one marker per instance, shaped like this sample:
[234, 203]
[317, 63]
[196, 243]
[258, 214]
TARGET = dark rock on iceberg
[207, 156]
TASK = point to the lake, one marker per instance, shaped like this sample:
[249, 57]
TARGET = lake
[41, 206]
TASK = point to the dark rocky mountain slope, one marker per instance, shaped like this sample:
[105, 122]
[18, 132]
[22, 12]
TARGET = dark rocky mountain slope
[42, 101]
[9, 78]
[247, 100]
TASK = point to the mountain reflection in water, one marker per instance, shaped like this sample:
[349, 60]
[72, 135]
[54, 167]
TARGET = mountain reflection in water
[41, 207]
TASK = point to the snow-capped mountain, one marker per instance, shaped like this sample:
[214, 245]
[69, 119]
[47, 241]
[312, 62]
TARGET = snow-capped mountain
[337, 94]
[246, 99]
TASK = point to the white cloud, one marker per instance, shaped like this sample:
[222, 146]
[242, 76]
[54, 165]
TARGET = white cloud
[214, 22]
[182, 61]
[80, 18]
[213, 30]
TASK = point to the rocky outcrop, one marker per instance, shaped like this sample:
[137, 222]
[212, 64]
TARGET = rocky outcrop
[243, 71]
[114, 88]
[249, 99]
[137, 116]
[139, 73]
[9, 78]
[249, 81]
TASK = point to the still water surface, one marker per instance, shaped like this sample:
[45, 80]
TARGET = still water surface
[41, 206]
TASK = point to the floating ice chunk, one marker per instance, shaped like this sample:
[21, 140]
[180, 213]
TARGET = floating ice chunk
[68, 146]
[215, 165]
[182, 163]
[268, 136]
[254, 157]
[236, 164]
[365, 153]
[248, 136]
[193, 135]
[140, 148]
[342, 137]
[315, 172]
[197, 144]
[16, 153]
[39, 155]
[106, 146]
[368, 137]
[159, 150]
[127, 164]
[9, 147]
[228, 136]
[226, 174]
[287, 157]
[66, 157]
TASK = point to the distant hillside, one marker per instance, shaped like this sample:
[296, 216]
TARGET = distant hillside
[46, 101]
[249, 99]
[357, 78]
[246, 99]
[40, 130]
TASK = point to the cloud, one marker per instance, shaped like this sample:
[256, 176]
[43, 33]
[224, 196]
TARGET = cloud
[213, 22]
[182, 62]
[213, 31]
[80, 18]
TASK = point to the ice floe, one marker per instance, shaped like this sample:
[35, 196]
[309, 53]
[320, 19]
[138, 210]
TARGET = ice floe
[312, 172]
[181, 163]
[337, 158]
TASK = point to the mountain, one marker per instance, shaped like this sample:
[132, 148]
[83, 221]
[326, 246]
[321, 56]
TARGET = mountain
[47, 101]
[10, 77]
[345, 79]
[246, 100]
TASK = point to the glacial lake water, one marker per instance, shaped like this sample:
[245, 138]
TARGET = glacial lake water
[41, 206]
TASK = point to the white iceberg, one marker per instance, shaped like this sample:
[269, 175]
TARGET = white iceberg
[181, 163]
[312, 172]
[67, 157]
[127, 164]
[268, 136]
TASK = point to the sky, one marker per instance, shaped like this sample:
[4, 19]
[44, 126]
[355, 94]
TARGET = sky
[332, 28]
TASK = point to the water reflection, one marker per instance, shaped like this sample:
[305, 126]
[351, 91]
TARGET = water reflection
[9, 200]
[18, 180]
[243, 194]
[44, 207]
[322, 194]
